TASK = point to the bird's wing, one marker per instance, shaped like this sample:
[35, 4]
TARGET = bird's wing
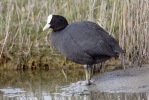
[108, 38]
[90, 41]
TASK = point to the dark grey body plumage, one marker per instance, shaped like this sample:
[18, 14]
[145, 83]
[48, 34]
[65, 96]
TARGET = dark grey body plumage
[85, 42]
[82, 42]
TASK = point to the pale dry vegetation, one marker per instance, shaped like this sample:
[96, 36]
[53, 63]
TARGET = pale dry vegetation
[23, 44]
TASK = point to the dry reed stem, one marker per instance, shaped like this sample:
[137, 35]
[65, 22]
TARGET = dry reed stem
[22, 22]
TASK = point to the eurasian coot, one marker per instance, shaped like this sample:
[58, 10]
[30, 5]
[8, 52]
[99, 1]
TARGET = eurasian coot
[82, 42]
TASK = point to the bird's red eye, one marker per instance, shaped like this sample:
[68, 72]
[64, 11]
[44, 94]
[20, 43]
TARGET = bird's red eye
[52, 20]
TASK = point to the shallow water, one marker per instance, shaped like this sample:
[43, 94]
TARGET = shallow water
[51, 84]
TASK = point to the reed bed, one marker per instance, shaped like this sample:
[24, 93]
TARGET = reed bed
[24, 45]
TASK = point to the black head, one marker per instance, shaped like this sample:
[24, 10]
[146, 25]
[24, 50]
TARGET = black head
[56, 22]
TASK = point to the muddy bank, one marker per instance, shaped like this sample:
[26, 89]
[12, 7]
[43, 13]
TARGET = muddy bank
[132, 80]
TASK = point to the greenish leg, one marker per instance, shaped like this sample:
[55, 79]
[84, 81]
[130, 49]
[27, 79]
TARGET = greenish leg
[88, 69]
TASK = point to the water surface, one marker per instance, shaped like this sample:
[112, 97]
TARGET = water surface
[47, 85]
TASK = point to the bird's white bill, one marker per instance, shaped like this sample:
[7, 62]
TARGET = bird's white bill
[46, 26]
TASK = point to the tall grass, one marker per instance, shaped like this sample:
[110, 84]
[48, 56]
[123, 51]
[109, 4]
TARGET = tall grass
[23, 44]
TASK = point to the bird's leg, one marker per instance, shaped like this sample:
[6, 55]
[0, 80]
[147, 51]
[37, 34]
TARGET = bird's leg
[88, 73]
[93, 69]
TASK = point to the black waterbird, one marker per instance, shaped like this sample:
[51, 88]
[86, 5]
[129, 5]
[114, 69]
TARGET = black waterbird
[82, 42]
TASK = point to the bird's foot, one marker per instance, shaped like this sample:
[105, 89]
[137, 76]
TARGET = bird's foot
[89, 82]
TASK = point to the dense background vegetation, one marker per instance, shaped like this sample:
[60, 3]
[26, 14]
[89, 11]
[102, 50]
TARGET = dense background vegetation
[23, 44]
